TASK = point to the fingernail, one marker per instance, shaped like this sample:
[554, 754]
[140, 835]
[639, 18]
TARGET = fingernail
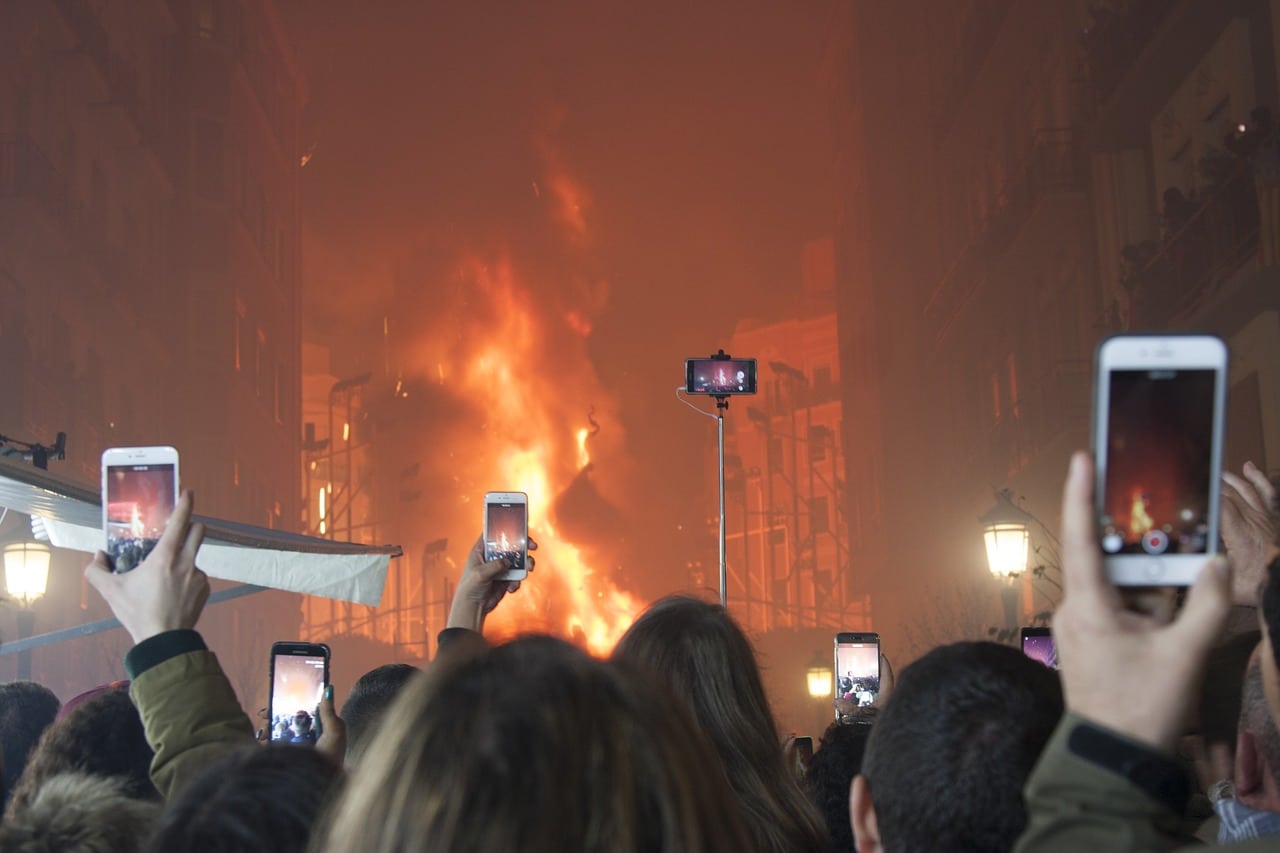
[328, 692]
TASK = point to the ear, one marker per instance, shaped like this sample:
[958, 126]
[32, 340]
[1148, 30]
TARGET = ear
[862, 814]
[1248, 766]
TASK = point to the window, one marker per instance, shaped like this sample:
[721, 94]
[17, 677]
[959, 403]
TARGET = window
[275, 406]
[1012, 368]
[240, 312]
[819, 515]
[818, 443]
[258, 355]
[995, 397]
[235, 473]
[206, 25]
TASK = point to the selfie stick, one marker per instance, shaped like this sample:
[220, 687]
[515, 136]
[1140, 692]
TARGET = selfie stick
[722, 404]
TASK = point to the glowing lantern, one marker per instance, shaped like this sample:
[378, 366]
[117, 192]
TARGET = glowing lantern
[1008, 537]
[26, 570]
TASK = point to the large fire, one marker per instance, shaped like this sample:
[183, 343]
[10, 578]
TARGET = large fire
[531, 443]
[1140, 521]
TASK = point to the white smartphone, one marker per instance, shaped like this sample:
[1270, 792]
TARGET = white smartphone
[139, 491]
[506, 531]
[1159, 418]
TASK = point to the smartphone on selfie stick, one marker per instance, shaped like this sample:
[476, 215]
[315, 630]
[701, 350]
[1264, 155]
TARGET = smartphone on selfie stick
[1037, 644]
[1159, 419]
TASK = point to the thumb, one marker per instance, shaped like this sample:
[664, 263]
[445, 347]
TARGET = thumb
[98, 573]
[1208, 604]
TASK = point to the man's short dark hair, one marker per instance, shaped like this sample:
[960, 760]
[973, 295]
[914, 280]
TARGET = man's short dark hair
[951, 750]
[26, 710]
[253, 798]
[370, 697]
[832, 769]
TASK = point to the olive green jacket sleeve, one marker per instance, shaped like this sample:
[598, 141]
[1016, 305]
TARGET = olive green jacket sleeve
[1076, 803]
[190, 714]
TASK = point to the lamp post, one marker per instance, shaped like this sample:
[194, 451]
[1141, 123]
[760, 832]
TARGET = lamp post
[26, 577]
[1007, 532]
[819, 677]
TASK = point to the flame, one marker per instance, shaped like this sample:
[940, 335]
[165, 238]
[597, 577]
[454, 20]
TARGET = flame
[136, 526]
[530, 445]
[1139, 521]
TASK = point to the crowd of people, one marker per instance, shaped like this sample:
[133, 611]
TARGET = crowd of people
[1160, 726]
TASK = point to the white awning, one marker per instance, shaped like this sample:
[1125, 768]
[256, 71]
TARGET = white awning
[72, 518]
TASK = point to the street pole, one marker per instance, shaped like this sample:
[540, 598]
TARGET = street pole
[26, 627]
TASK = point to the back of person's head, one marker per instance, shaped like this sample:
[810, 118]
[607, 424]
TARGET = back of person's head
[26, 710]
[535, 746]
[369, 699]
[831, 770]
[79, 813]
[254, 798]
[702, 654]
[952, 748]
[104, 737]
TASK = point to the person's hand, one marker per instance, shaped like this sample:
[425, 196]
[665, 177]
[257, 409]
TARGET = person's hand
[1134, 673]
[333, 730]
[166, 591]
[478, 593]
[1249, 525]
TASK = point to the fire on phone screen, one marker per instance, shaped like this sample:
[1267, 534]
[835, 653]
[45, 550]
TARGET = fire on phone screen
[139, 500]
[858, 672]
[296, 691]
[1159, 461]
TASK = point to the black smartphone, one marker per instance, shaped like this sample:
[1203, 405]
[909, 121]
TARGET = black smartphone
[1037, 644]
[804, 754]
[299, 673]
[720, 377]
[857, 667]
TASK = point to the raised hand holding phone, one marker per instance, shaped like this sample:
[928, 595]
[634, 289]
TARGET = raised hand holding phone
[482, 586]
[139, 491]
[1134, 673]
[166, 592]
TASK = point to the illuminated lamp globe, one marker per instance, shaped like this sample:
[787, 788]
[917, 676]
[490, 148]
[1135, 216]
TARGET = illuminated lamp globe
[819, 678]
[1006, 530]
[26, 570]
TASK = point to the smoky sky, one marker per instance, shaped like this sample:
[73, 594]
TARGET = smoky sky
[698, 134]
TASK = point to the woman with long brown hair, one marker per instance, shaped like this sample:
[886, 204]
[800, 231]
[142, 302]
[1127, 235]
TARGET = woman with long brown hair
[702, 654]
[534, 746]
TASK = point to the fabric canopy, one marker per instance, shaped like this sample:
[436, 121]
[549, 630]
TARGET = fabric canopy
[71, 517]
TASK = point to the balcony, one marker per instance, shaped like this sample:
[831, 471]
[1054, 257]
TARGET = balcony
[1219, 236]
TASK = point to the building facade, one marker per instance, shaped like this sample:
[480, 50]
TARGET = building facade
[1020, 181]
[149, 269]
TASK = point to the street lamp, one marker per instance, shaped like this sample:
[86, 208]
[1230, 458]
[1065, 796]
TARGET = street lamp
[26, 577]
[26, 570]
[1006, 530]
[819, 677]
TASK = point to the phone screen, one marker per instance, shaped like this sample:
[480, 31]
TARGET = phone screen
[858, 672]
[296, 690]
[720, 376]
[1159, 463]
[506, 527]
[1042, 649]
[139, 500]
